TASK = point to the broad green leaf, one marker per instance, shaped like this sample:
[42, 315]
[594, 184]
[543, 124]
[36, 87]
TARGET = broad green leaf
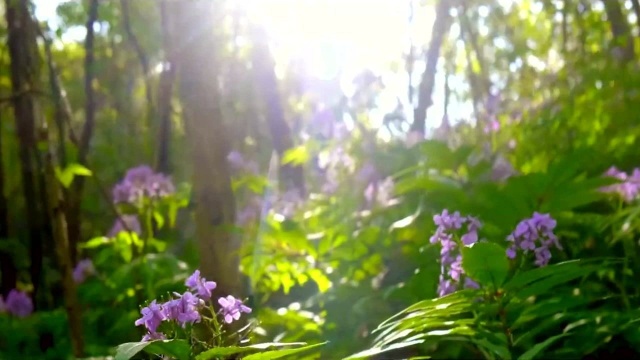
[296, 156]
[486, 263]
[537, 348]
[176, 348]
[222, 351]
[277, 354]
[378, 350]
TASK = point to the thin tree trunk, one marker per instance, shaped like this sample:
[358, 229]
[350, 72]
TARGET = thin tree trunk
[622, 39]
[61, 241]
[144, 65]
[7, 266]
[165, 93]
[291, 176]
[425, 91]
[197, 66]
[636, 10]
[21, 42]
[75, 200]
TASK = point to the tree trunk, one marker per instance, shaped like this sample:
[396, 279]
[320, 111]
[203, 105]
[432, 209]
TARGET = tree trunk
[622, 39]
[165, 92]
[21, 41]
[197, 66]
[425, 91]
[61, 242]
[75, 200]
[7, 266]
[291, 177]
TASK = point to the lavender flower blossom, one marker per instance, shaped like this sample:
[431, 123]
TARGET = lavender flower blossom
[534, 234]
[140, 182]
[18, 304]
[124, 223]
[232, 308]
[200, 285]
[239, 164]
[451, 271]
[380, 192]
[153, 336]
[83, 269]
[184, 309]
[152, 316]
[628, 188]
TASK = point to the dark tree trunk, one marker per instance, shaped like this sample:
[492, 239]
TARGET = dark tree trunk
[21, 41]
[425, 91]
[7, 266]
[291, 176]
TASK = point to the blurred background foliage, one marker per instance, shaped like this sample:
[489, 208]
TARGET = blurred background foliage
[349, 124]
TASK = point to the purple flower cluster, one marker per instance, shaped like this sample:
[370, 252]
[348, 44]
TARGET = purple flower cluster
[380, 192]
[629, 186]
[232, 308]
[449, 225]
[83, 269]
[239, 164]
[17, 304]
[140, 182]
[185, 309]
[534, 234]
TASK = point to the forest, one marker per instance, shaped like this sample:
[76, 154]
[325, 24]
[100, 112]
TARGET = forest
[319, 179]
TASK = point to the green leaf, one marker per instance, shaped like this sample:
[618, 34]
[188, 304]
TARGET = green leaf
[66, 175]
[320, 279]
[537, 348]
[95, 242]
[296, 156]
[486, 263]
[277, 354]
[378, 350]
[176, 348]
[232, 350]
[222, 351]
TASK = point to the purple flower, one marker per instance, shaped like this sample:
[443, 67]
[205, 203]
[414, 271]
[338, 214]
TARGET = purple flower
[451, 272]
[232, 308]
[288, 203]
[139, 182]
[124, 223]
[492, 127]
[629, 186]
[200, 285]
[235, 159]
[534, 234]
[380, 192]
[183, 310]
[152, 316]
[238, 163]
[153, 336]
[367, 173]
[83, 269]
[18, 304]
